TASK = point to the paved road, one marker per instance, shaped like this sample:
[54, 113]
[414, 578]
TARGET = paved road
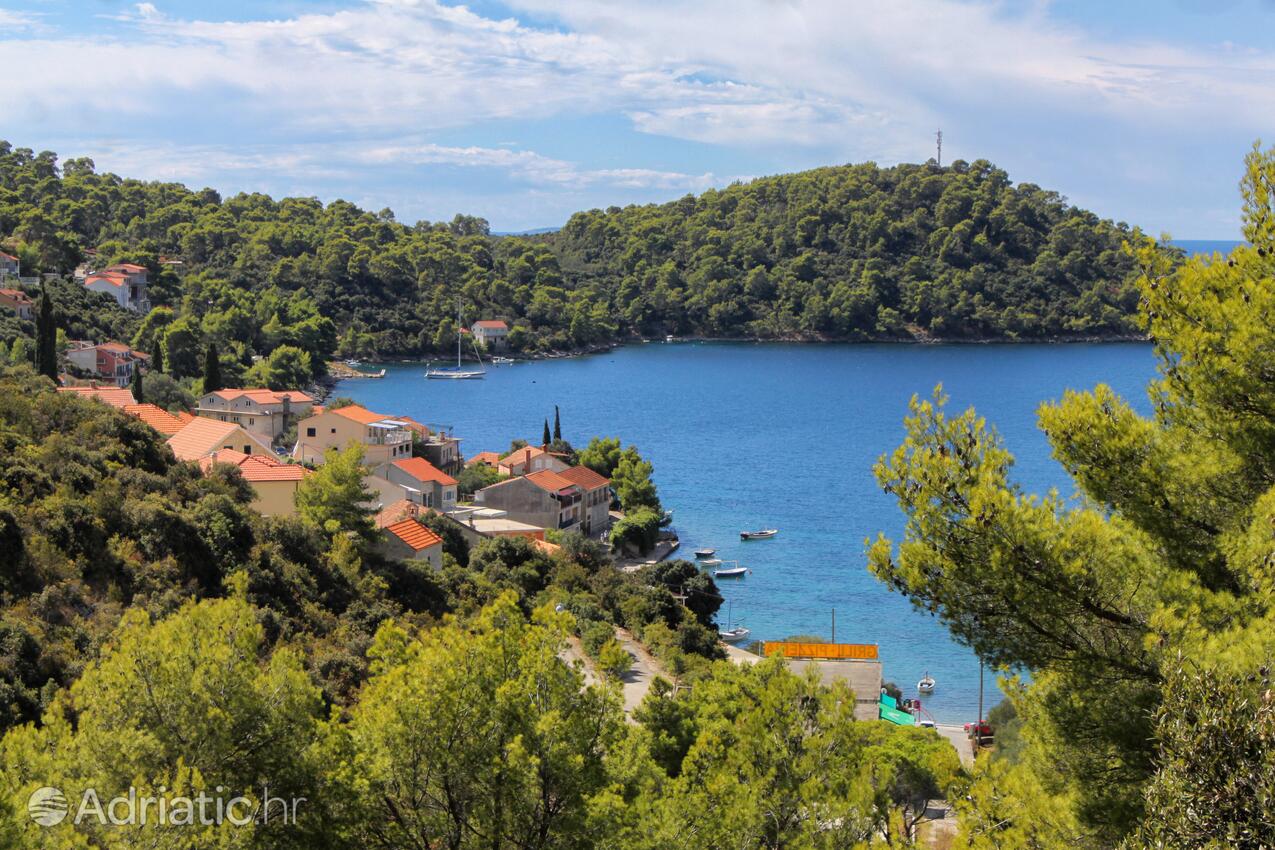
[964, 747]
[637, 682]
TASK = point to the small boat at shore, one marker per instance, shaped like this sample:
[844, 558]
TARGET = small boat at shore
[927, 683]
[710, 562]
[735, 571]
[666, 519]
[502, 361]
[705, 553]
[761, 534]
[734, 635]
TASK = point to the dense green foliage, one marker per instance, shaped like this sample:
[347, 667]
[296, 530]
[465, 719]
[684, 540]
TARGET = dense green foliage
[859, 252]
[1169, 556]
[851, 252]
[97, 516]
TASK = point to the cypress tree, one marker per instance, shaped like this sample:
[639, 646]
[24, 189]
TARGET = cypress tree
[557, 425]
[212, 370]
[138, 393]
[46, 339]
[157, 354]
[546, 437]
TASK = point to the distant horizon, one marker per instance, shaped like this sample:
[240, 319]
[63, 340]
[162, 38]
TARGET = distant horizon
[524, 111]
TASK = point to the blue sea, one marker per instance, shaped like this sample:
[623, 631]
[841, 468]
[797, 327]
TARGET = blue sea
[772, 435]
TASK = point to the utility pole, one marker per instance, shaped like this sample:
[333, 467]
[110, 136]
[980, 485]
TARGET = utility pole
[938, 138]
[980, 696]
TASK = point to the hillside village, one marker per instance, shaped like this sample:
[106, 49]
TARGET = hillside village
[410, 468]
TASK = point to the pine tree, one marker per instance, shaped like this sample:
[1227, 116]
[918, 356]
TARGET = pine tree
[546, 435]
[212, 370]
[557, 425]
[157, 354]
[137, 384]
[46, 339]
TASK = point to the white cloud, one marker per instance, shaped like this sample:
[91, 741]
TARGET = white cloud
[839, 79]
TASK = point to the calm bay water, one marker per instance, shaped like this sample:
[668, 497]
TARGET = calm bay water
[769, 435]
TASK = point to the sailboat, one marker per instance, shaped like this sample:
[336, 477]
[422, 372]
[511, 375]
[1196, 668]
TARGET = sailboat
[459, 373]
[732, 634]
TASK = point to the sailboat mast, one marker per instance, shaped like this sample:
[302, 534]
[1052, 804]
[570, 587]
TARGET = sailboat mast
[458, 330]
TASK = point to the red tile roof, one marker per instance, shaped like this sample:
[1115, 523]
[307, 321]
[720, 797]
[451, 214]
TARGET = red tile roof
[585, 477]
[396, 512]
[128, 267]
[552, 481]
[493, 324]
[414, 534]
[422, 470]
[522, 455]
[489, 458]
[106, 277]
[8, 256]
[119, 397]
[262, 395]
[15, 294]
[156, 417]
[359, 413]
[255, 467]
[201, 436]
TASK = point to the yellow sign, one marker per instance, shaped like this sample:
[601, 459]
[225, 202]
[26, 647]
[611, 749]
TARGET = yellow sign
[831, 651]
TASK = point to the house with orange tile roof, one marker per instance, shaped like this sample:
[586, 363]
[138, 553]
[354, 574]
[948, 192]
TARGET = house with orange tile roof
[492, 333]
[423, 482]
[384, 438]
[274, 483]
[544, 499]
[201, 437]
[18, 302]
[262, 411]
[112, 361]
[531, 459]
[597, 498]
[410, 539]
[491, 459]
[157, 417]
[10, 266]
[114, 396]
[125, 282]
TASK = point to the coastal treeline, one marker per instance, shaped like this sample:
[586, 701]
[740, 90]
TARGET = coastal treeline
[1144, 614]
[842, 253]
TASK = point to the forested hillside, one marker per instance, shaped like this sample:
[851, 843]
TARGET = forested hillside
[859, 252]
[850, 252]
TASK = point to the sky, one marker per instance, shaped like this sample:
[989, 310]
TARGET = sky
[525, 111]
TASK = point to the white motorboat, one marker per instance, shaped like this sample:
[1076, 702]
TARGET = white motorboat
[761, 534]
[710, 562]
[459, 373]
[735, 571]
[705, 553]
[926, 685]
[502, 361]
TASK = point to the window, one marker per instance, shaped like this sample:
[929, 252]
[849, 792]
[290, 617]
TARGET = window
[247, 450]
[333, 430]
[309, 432]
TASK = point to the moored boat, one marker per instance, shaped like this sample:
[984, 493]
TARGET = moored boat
[734, 635]
[760, 534]
[705, 553]
[927, 683]
[710, 562]
[730, 572]
[458, 373]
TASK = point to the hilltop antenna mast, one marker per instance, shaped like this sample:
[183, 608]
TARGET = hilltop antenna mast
[938, 138]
